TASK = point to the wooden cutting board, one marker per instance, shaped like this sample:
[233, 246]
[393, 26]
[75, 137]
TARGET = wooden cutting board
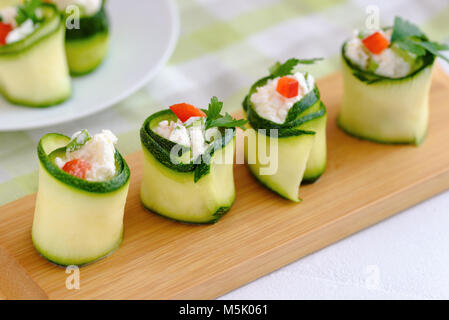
[160, 259]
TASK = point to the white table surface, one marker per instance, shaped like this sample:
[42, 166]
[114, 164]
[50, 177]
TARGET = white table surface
[403, 257]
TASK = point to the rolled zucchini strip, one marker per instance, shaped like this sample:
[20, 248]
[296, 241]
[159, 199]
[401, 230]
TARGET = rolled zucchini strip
[34, 71]
[285, 171]
[87, 46]
[383, 109]
[182, 190]
[315, 120]
[300, 140]
[76, 221]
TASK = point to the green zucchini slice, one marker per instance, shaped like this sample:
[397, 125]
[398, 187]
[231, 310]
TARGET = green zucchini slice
[87, 46]
[199, 193]
[386, 110]
[76, 221]
[316, 122]
[301, 143]
[34, 71]
[285, 172]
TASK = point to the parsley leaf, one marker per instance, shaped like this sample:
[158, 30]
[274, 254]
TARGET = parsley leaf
[309, 61]
[409, 38]
[214, 119]
[411, 46]
[227, 121]
[280, 70]
[213, 111]
[28, 11]
[435, 48]
[403, 29]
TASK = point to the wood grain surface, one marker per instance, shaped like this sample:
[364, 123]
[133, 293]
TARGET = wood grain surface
[160, 259]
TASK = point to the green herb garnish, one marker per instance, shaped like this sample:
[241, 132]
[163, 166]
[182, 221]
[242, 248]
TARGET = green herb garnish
[280, 70]
[214, 119]
[28, 11]
[409, 37]
[78, 141]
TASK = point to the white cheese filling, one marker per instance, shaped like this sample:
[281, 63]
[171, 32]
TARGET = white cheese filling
[90, 7]
[273, 106]
[21, 32]
[388, 63]
[99, 152]
[8, 16]
[191, 134]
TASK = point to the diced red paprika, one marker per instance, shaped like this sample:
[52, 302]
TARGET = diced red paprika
[184, 111]
[376, 43]
[288, 87]
[5, 29]
[77, 168]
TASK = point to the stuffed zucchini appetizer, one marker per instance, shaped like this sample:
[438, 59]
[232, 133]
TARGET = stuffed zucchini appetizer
[188, 157]
[33, 65]
[387, 75]
[87, 34]
[83, 184]
[287, 127]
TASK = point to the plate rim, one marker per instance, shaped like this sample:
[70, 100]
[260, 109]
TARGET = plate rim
[174, 36]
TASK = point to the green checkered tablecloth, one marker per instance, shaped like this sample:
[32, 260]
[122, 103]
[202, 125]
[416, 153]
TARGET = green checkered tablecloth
[223, 47]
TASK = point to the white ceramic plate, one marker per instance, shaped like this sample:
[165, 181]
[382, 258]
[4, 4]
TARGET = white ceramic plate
[143, 35]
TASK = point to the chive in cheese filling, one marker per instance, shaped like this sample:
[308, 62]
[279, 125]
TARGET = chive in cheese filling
[272, 105]
[97, 152]
[391, 62]
[192, 134]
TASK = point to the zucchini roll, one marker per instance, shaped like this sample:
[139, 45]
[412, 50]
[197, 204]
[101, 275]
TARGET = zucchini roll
[387, 76]
[83, 184]
[33, 65]
[87, 39]
[188, 157]
[287, 127]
